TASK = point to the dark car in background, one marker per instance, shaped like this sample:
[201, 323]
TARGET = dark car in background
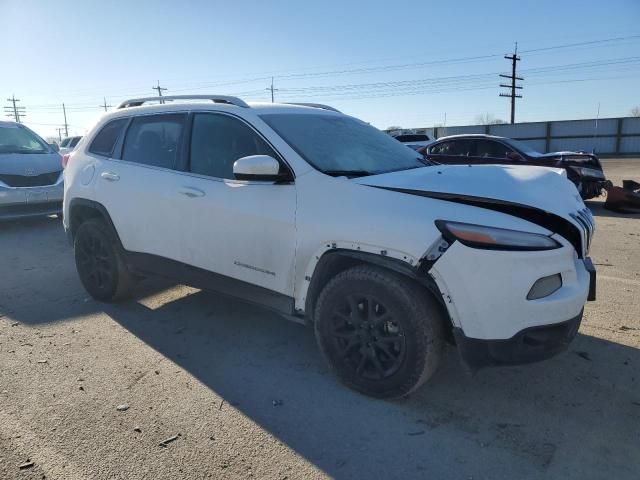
[583, 169]
[31, 179]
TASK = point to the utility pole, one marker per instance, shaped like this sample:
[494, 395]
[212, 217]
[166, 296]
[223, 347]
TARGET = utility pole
[14, 110]
[160, 89]
[514, 58]
[59, 129]
[272, 89]
[104, 105]
[66, 126]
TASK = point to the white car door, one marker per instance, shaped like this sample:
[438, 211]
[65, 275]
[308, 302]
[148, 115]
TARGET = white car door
[140, 187]
[243, 230]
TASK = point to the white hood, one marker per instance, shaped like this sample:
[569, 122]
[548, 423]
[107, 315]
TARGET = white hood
[540, 187]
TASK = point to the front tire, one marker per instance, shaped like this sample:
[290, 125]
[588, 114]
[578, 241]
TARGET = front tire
[381, 333]
[99, 262]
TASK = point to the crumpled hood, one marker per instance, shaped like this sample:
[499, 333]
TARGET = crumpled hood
[543, 188]
[35, 163]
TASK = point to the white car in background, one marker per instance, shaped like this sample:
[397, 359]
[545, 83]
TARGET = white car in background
[412, 139]
[331, 222]
[68, 144]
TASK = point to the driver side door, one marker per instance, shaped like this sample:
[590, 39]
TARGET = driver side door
[241, 231]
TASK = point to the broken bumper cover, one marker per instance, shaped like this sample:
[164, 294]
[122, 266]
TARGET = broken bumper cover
[529, 345]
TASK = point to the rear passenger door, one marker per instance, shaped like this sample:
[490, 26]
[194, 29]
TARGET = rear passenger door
[242, 230]
[139, 186]
[492, 152]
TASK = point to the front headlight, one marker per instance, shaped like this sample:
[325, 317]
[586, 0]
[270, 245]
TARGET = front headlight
[479, 236]
[589, 172]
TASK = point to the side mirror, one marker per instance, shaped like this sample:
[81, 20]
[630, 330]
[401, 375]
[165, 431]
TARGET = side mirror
[258, 167]
[55, 147]
[515, 156]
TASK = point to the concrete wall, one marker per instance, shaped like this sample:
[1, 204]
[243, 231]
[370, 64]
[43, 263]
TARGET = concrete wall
[608, 136]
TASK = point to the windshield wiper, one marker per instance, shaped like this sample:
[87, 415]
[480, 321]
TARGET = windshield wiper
[347, 173]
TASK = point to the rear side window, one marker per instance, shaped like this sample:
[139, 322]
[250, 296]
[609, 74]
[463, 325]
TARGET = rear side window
[217, 141]
[106, 139]
[491, 149]
[74, 141]
[154, 140]
[455, 148]
[65, 142]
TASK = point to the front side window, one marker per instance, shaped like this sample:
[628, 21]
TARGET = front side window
[104, 142]
[65, 142]
[17, 139]
[341, 145]
[74, 141]
[154, 140]
[491, 149]
[458, 148]
[217, 141]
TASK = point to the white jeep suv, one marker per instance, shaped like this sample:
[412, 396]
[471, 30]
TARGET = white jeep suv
[321, 217]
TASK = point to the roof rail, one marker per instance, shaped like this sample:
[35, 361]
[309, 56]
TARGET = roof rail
[136, 102]
[315, 105]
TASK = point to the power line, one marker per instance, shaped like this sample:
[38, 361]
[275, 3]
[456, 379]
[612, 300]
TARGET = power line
[59, 129]
[66, 125]
[160, 90]
[514, 59]
[272, 89]
[14, 110]
[105, 103]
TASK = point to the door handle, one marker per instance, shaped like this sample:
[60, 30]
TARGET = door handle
[112, 177]
[191, 192]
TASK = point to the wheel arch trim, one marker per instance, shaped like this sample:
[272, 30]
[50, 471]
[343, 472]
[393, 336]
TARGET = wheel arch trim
[348, 253]
[86, 204]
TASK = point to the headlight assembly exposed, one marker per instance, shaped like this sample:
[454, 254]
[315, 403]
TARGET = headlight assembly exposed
[589, 172]
[480, 236]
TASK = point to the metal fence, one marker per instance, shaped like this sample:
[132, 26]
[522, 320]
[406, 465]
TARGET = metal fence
[605, 136]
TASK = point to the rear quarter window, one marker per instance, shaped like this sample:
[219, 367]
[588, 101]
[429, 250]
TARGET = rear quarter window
[105, 141]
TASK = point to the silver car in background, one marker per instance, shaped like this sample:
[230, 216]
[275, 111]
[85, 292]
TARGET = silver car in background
[31, 179]
[68, 144]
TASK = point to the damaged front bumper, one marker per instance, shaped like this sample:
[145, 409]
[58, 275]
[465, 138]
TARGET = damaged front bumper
[529, 345]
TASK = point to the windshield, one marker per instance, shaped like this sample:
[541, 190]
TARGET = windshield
[523, 147]
[16, 139]
[341, 145]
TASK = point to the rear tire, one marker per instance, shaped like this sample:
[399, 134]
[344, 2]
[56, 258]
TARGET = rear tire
[100, 263]
[381, 333]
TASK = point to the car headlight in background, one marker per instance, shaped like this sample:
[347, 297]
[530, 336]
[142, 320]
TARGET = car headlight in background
[479, 236]
[589, 172]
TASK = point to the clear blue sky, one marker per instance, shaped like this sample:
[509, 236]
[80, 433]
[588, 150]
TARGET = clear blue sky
[77, 52]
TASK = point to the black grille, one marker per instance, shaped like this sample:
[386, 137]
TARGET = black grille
[584, 218]
[30, 181]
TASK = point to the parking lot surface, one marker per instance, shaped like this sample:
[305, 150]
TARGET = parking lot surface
[182, 383]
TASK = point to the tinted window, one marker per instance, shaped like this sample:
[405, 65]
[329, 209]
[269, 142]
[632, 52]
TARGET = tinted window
[106, 138]
[217, 141]
[74, 141]
[65, 142]
[338, 144]
[489, 148]
[412, 138]
[154, 140]
[453, 147]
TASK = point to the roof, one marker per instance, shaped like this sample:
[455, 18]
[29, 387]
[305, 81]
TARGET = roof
[8, 123]
[178, 102]
[471, 135]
